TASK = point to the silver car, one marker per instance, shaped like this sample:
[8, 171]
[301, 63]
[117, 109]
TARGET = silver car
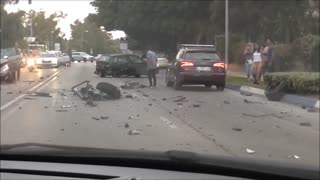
[82, 56]
[47, 60]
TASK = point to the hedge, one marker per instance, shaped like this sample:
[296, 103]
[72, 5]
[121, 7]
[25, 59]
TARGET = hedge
[297, 82]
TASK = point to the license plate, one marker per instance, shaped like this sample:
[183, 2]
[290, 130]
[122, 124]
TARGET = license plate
[203, 69]
[46, 61]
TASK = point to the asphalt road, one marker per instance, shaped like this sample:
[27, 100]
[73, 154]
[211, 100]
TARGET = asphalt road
[192, 119]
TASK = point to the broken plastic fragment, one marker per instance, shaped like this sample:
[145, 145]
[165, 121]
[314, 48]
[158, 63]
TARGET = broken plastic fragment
[134, 132]
[294, 156]
[250, 151]
[66, 106]
[126, 125]
[226, 102]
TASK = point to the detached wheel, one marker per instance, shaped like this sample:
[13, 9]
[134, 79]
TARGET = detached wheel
[276, 91]
[112, 91]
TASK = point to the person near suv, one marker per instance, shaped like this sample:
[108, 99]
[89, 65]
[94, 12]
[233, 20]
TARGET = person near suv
[152, 67]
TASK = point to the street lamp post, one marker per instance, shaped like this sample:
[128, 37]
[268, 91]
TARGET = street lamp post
[227, 35]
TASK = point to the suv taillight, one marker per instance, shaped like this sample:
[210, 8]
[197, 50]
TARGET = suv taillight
[218, 65]
[186, 64]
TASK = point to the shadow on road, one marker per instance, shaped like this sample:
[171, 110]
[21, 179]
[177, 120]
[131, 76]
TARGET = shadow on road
[198, 89]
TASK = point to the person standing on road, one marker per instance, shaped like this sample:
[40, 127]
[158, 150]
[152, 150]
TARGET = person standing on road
[257, 64]
[248, 53]
[268, 51]
[152, 67]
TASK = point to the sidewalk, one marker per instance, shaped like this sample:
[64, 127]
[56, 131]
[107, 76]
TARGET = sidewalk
[304, 101]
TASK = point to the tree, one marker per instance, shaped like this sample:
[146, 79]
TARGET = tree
[87, 35]
[11, 28]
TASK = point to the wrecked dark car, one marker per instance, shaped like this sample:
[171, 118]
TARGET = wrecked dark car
[10, 63]
[117, 65]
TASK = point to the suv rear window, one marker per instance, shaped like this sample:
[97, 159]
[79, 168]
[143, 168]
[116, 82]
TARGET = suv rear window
[202, 55]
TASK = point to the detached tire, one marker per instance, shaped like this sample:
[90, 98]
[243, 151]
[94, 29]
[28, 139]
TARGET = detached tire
[276, 92]
[111, 90]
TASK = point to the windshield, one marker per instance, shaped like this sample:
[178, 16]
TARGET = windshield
[202, 55]
[48, 55]
[234, 78]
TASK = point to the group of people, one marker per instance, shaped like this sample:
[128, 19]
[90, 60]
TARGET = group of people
[258, 60]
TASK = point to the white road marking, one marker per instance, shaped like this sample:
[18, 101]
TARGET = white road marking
[5, 106]
[168, 122]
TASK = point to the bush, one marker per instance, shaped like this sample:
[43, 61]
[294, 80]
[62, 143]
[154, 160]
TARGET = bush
[297, 82]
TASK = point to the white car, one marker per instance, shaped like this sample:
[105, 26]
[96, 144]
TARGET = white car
[47, 59]
[82, 56]
[64, 59]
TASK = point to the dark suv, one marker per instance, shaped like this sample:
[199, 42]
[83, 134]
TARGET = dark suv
[10, 63]
[196, 64]
[121, 64]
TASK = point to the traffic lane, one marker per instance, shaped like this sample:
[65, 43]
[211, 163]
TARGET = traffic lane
[27, 80]
[108, 125]
[273, 130]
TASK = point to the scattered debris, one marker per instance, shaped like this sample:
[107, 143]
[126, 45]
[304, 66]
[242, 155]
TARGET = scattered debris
[41, 94]
[91, 104]
[62, 129]
[104, 117]
[130, 117]
[236, 129]
[145, 95]
[294, 156]
[41, 77]
[134, 132]
[66, 106]
[20, 107]
[20, 92]
[248, 101]
[75, 123]
[181, 99]
[170, 112]
[196, 105]
[132, 85]
[305, 124]
[303, 107]
[46, 107]
[179, 104]
[149, 125]
[29, 98]
[129, 96]
[61, 110]
[150, 104]
[29, 81]
[175, 109]
[153, 99]
[258, 115]
[10, 92]
[126, 125]
[95, 118]
[164, 99]
[245, 93]
[283, 112]
[226, 102]
[250, 151]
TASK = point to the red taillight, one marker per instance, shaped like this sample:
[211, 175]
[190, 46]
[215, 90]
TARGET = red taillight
[218, 65]
[186, 64]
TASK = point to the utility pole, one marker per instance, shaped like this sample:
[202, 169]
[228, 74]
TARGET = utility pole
[227, 35]
[51, 40]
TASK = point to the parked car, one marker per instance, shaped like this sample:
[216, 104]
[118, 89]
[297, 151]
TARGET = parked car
[10, 63]
[197, 64]
[121, 64]
[47, 59]
[64, 59]
[82, 56]
[162, 60]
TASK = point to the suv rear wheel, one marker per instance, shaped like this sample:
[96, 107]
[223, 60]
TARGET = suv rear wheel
[220, 87]
[176, 83]
[168, 82]
[208, 85]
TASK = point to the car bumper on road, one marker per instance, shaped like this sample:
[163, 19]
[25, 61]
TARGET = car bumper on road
[201, 78]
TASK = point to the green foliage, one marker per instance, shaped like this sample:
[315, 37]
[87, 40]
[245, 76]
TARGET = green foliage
[88, 35]
[297, 82]
[11, 28]
[282, 58]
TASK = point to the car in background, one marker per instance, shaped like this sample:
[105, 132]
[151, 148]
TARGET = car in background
[163, 61]
[10, 63]
[121, 64]
[64, 59]
[47, 59]
[98, 56]
[82, 56]
[197, 64]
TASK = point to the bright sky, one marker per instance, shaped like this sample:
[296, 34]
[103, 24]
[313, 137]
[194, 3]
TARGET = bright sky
[74, 10]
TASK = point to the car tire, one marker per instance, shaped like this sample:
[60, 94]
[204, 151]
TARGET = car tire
[114, 74]
[11, 77]
[137, 75]
[208, 85]
[220, 87]
[176, 83]
[112, 91]
[84, 60]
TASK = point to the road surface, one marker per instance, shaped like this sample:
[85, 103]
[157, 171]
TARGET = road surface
[192, 119]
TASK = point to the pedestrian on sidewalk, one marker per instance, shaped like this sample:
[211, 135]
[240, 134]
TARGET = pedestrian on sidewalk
[152, 67]
[248, 54]
[257, 64]
[268, 52]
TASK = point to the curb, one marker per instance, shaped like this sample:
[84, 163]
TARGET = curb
[287, 98]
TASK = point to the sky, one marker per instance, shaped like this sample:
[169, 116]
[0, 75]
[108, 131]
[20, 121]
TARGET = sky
[74, 10]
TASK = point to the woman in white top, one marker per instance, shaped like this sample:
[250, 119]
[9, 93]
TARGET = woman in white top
[257, 64]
